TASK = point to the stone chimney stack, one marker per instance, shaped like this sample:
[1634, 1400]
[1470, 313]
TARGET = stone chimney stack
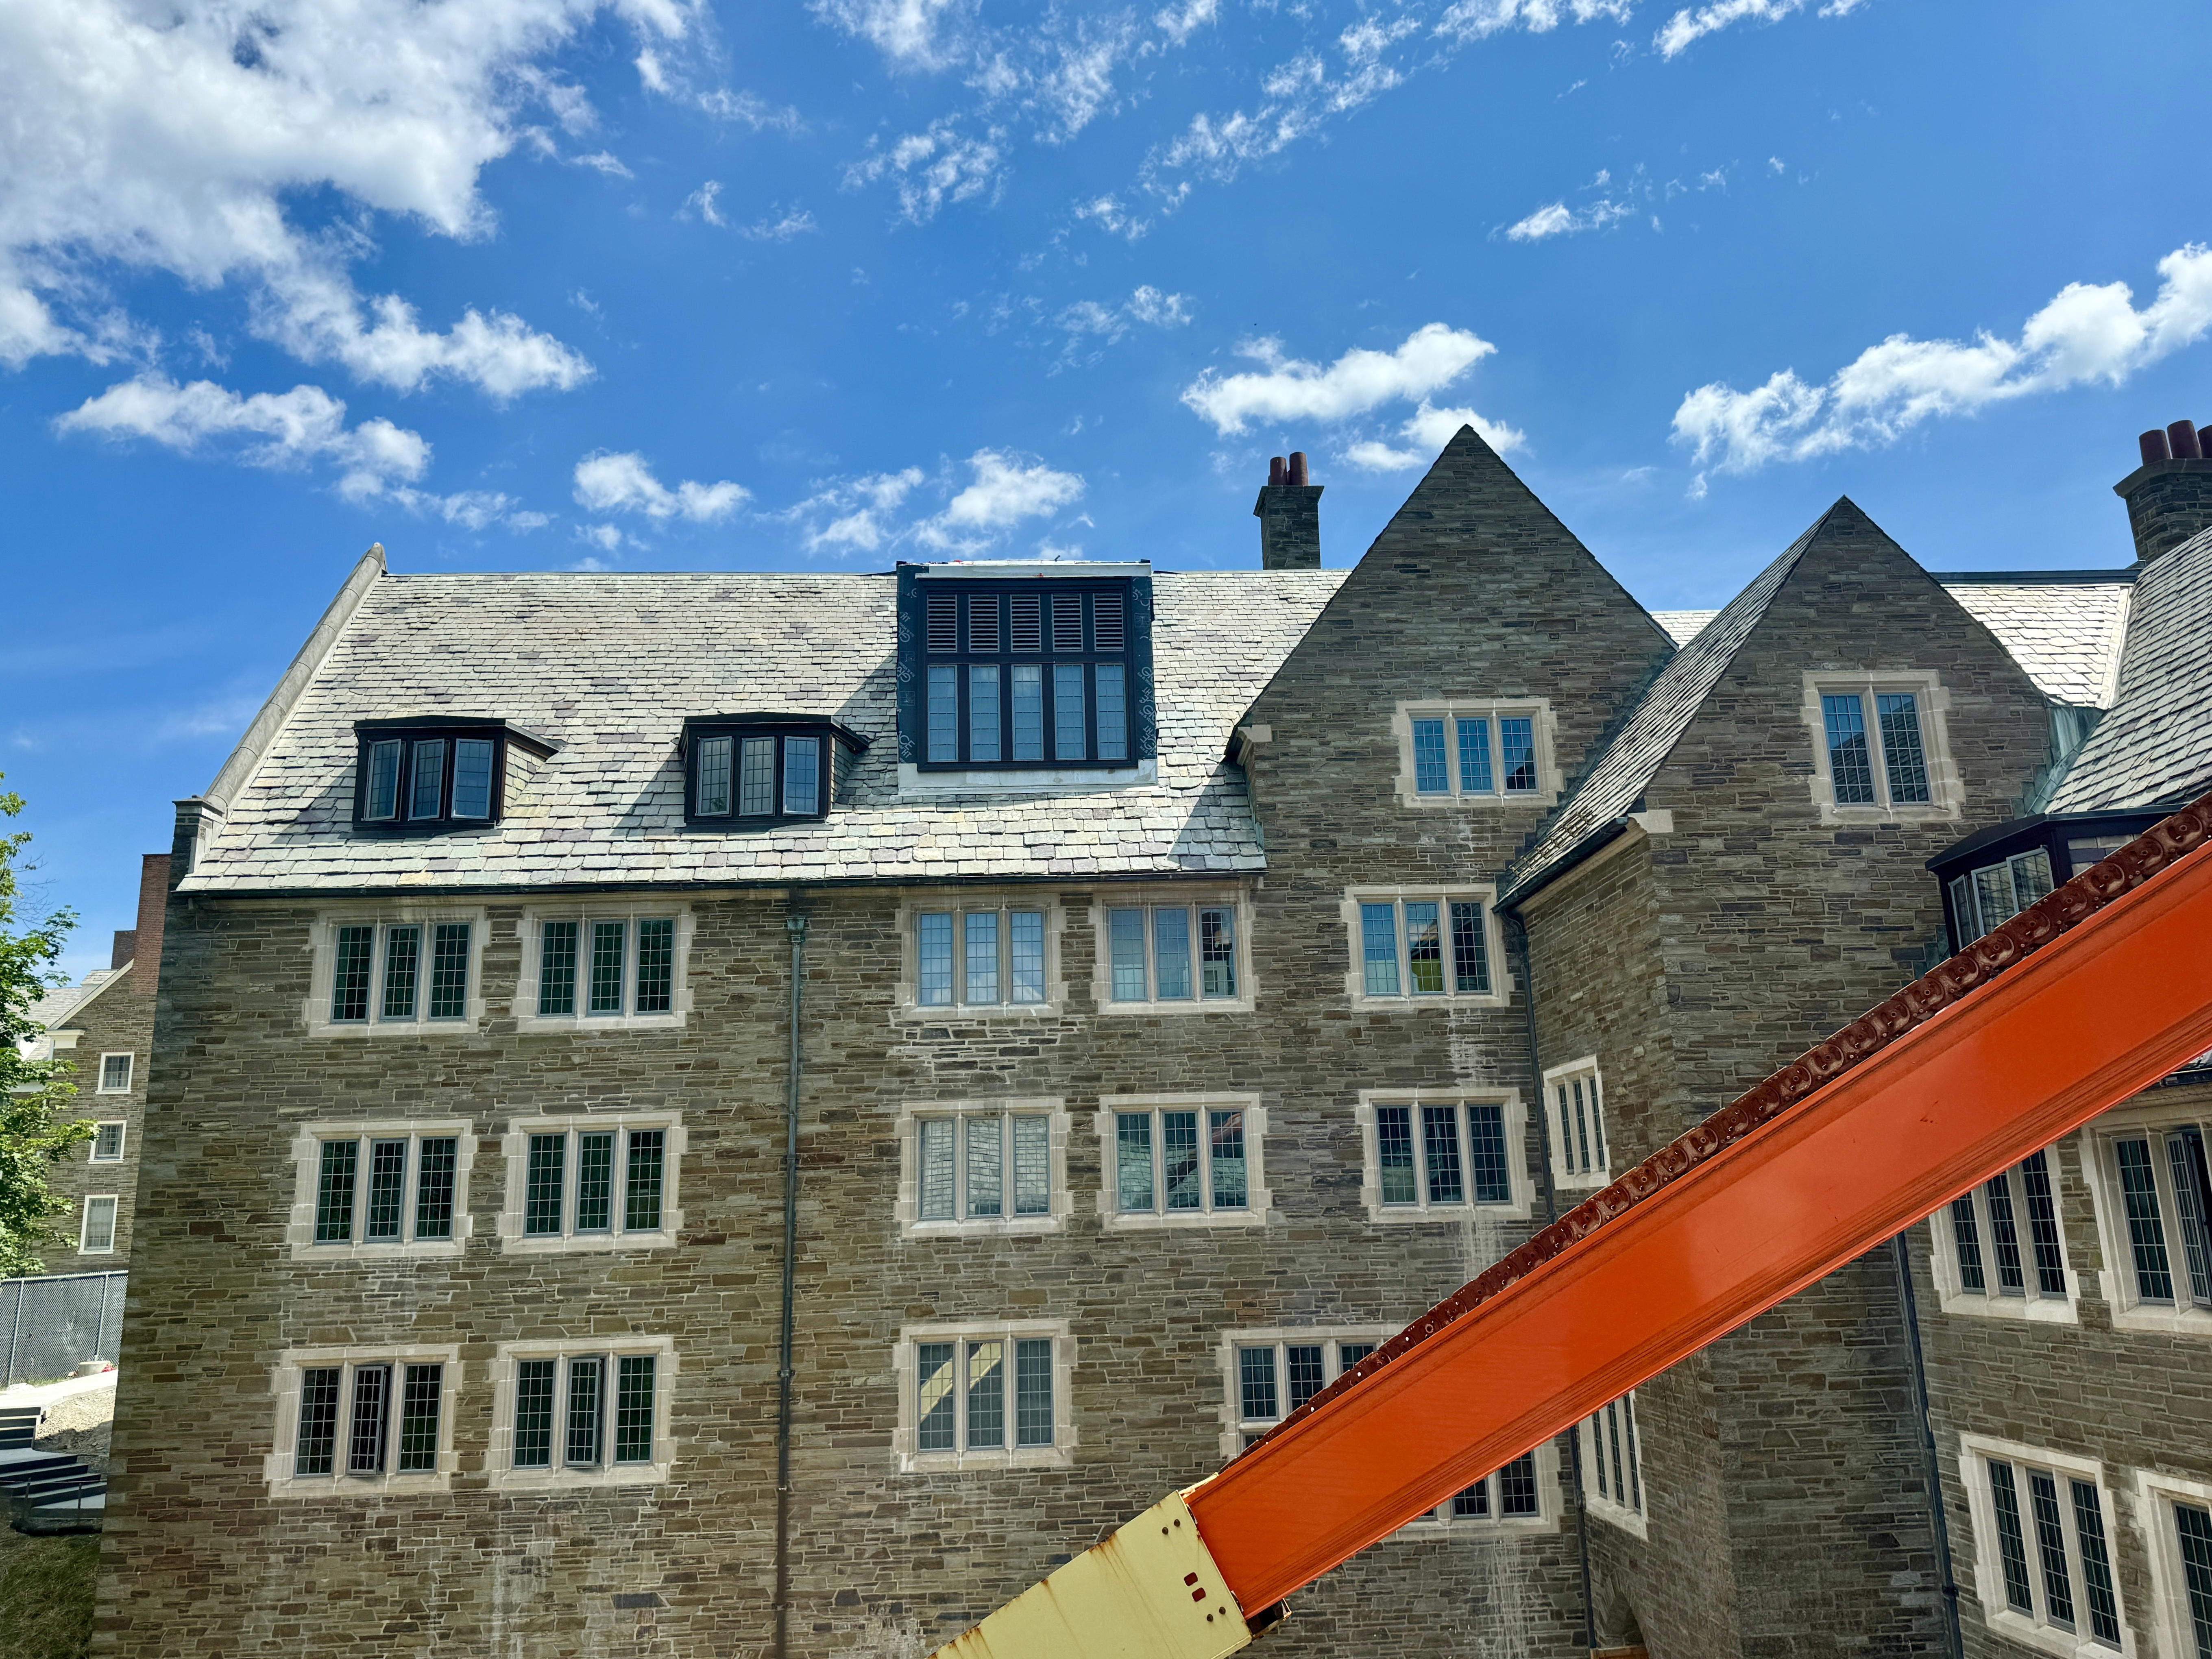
[153, 909]
[2169, 496]
[1289, 511]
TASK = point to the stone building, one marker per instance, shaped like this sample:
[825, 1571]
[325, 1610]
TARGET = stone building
[1137, 969]
[104, 1026]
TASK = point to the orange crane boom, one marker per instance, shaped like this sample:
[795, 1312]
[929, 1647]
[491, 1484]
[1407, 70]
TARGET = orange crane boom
[2092, 994]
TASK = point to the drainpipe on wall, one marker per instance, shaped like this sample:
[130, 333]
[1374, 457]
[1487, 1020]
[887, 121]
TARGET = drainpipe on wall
[1902, 1254]
[796, 926]
[1551, 1214]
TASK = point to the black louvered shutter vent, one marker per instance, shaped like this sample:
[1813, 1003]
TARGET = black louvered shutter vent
[1106, 621]
[1067, 621]
[983, 622]
[1027, 628]
[943, 622]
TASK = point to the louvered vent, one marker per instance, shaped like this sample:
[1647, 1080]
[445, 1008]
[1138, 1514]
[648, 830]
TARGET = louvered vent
[1026, 630]
[983, 622]
[944, 622]
[1067, 623]
[1106, 621]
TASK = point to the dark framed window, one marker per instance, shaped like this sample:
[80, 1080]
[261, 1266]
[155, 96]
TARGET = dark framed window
[749, 771]
[1024, 673]
[423, 776]
[1993, 876]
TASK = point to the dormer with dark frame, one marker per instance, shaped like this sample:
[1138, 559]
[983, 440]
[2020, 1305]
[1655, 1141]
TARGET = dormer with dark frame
[754, 771]
[1989, 878]
[431, 774]
[1022, 674]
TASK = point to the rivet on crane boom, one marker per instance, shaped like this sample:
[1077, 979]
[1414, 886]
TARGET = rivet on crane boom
[2092, 993]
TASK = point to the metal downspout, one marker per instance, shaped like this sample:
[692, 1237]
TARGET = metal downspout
[1551, 1214]
[1902, 1254]
[797, 927]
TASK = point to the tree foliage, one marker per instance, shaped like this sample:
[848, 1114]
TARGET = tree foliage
[34, 1095]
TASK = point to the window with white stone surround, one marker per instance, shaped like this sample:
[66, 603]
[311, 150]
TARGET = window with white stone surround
[357, 1422]
[366, 1189]
[1423, 947]
[1575, 1122]
[582, 1411]
[1881, 749]
[604, 967]
[1183, 1161]
[2000, 1248]
[968, 955]
[2175, 1515]
[2149, 1184]
[987, 1394]
[1172, 951]
[596, 1181]
[1612, 1455]
[1433, 1154]
[2044, 1527]
[1475, 751]
[969, 1167]
[405, 970]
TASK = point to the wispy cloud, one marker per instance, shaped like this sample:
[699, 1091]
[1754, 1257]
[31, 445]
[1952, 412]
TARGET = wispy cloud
[1426, 434]
[1088, 321]
[700, 205]
[1287, 388]
[1693, 23]
[612, 483]
[1559, 220]
[780, 224]
[602, 161]
[934, 167]
[2086, 333]
[1007, 488]
[855, 515]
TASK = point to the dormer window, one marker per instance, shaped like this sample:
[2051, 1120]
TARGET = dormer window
[1013, 668]
[749, 771]
[426, 775]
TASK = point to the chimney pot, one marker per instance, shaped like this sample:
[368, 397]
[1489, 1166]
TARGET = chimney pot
[2182, 437]
[1298, 468]
[1289, 511]
[2153, 447]
[1275, 471]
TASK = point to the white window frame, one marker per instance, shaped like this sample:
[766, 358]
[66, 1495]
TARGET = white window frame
[1544, 728]
[1945, 791]
[1997, 1614]
[1520, 1183]
[1151, 898]
[514, 1148]
[499, 1460]
[1235, 1426]
[1594, 1444]
[1259, 1202]
[2154, 1495]
[1060, 1124]
[284, 1383]
[1500, 994]
[2116, 1276]
[905, 1370]
[1992, 1300]
[530, 931]
[959, 903]
[129, 1059]
[122, 1141]
[1562, 1121]
[306, 1178]
[114, 1203]
[322, 944]
[1965, 891]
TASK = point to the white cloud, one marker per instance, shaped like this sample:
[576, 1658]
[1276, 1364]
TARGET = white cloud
[1475, 20]
[1007, 489]
[1289, 389]
[852, 515]
[171, 139]
[701, 202]
[2086, 333]
[913, 35]
[610, 483]
[602, 161]
[1693, 23]
[1146, 305]
[749, 109]
[272, 429]
[1427, 432]
[1366, 40]
[1178, 23]
[934, 167]
[1559, 220]
[1110, 217]
[605, 537]
[780, 225]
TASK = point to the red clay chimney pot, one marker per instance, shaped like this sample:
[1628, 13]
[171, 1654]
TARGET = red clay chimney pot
[1298, 467]
[2183, 436]
[2153, 447]
[1275, 469]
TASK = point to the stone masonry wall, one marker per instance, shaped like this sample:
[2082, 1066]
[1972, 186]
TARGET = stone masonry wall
[120, 1019]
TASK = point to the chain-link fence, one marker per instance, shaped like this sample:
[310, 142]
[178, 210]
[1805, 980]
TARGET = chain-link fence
[49, 1326]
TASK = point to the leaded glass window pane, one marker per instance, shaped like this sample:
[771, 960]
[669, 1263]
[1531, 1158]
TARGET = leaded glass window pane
[1125, 944]
[2004, 1235]
[1848, 766]
[351, 965]
[1993, 895]
[1033, 1392]
[418, 1418]
[648, 1158]
[1069, 716]
[595, 1180]
[1217, 952]
[757, 774]
[987, 1397]
[1470, 949]
[711, 793]
[1425, 960]
[983, 712]
[1966, 1235]
[983, 956]
[533, 1414]
[934, 1423]
[334, 1188]
[945, 712]
[315, 1451]
[1132, 1160]
[1027, 681]
[1440, 1151]
[1112, 681]
[1517, 752]
[1516, 1487]
[2096, 1563]
[426, 788]
[435, 1164]
[1473, 1503]
[1032, 1166]
[543, 1179]
[387, 1191]
[383, 800]
[371, 1416]
[1474, 777]
[1486, 1135]
[2050, 1548]
[2012, 1544]
[609, 942]
[936, 1158]
[557, 967]
[588, 1381]
[1902, 754]
[2042, 1225]
[1179, 1161]
[473, 758]
[1171, 954]
[985, 1160]
[1431, 772]
[2146, 1231]
[1394, 1150]
[1255, 1384]
[449, 970]
[1378, 947]
[2185, 1152]
[2192, 1530]
[1301, 1371]
[933, 946]
[656, 965]
[1025, 953]
[802, 776]
[1227, 1132]
[403, 963]
[634, 1408]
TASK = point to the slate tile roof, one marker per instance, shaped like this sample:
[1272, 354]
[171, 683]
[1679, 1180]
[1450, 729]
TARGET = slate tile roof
[609, 664]
[1682, 626]
[1634, 757]
[2155, 743]
[2064, 631]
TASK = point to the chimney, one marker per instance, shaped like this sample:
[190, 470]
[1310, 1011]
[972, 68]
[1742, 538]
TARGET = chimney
[126, 946]
[146, 938]
[2169, 496]
[1289, 511]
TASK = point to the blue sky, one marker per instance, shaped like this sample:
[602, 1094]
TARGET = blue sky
[654, 284]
